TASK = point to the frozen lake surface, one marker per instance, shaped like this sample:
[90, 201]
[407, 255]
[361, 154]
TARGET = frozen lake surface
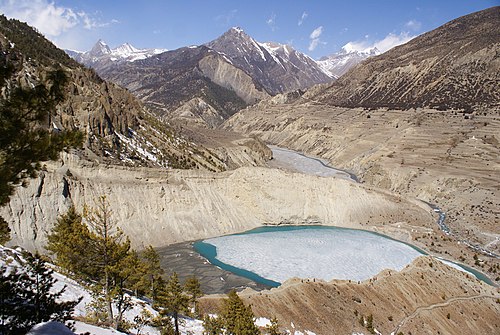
[280, 253]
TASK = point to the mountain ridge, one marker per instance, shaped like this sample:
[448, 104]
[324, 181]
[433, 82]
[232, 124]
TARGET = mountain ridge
[227, 74]
[440, 69]
[168, 81]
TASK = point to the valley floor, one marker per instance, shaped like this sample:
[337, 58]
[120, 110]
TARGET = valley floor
[446, 158]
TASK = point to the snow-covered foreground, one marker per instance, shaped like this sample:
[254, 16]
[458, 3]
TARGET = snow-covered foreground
[313, 166]
[12, 258]
[324, 253]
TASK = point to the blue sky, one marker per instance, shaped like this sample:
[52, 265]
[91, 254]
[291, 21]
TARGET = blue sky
[317, 28]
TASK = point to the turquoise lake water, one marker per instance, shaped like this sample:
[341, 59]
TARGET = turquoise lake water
[359, 238]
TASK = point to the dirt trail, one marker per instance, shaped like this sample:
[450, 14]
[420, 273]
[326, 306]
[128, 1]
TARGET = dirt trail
[440, 305]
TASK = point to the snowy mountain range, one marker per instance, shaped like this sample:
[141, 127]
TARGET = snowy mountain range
[340, 62]
[278, 68]
[211, 82]
[101, 52]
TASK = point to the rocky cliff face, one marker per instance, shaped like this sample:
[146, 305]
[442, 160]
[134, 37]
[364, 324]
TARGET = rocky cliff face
[452, 67]
[158, 207]
[224, 74]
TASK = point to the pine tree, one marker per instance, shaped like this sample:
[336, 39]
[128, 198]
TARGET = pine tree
[69, 241]
[148, 277]
[109, 254]
[11, 301]
[26, 300]
[172, 300]
[4, 231]
[193, 289]
[236, 317]
[212, 325]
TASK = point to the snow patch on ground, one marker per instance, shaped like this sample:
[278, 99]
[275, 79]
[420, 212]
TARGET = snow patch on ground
[262, 322]
[82, 328]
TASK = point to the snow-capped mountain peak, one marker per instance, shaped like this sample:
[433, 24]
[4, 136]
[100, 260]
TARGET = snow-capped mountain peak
[236, 30]
[100, 49]
[349, 48]
[348, 56]
[101, 52]
[277, 67]
[125, 49]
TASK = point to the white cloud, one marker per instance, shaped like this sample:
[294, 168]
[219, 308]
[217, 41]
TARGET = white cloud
[413, 25]
[388, 42]
[316, 32]
[50, 19]
[393, 40]
[271, 22]
[302, 18]
[313, 44]
[315, 41]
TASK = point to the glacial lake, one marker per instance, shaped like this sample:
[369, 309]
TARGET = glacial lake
[272, 254]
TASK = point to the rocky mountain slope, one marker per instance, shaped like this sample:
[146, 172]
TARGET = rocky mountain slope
[427, 297]
[202, 86]
[193, 84]
[452, 67]
[340, 62]
[118, 129]
[277, 67]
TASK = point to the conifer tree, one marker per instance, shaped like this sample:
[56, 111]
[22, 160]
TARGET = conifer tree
[172, 300]
[149, 275]
[109, 253]
[212, 325]
[26, 299]
[69, 241]
[193, 289]
[4, 231]
[236, 317]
